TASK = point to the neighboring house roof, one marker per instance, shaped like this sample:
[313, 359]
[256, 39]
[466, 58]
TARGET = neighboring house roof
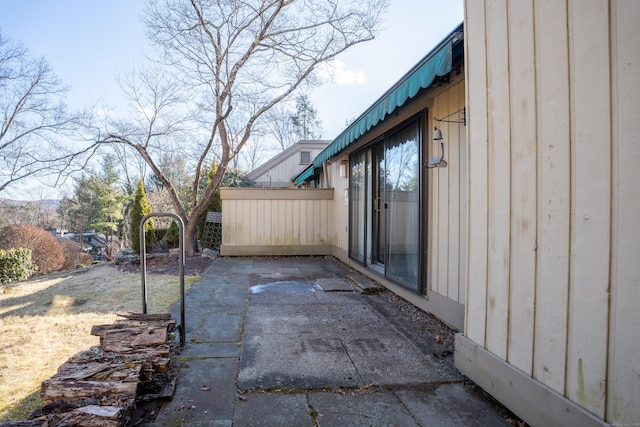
[281, 165]
[89, 240]
[438, 62]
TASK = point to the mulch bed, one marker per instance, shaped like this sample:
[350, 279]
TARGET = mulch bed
[168, 264]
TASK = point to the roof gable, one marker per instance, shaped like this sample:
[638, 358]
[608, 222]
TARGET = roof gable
[305, 145]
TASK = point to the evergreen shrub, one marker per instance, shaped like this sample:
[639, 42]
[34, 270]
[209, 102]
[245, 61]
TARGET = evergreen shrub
[15, 265]
[141, 207]
[171, 237]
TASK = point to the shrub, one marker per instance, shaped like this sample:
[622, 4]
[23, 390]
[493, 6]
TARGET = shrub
[141, 207]
[171, 238]
[112, 248]
[15, 265]
[84, 259]
[71, 252]
[46, 252]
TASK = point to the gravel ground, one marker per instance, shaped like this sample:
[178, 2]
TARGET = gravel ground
[436, 338]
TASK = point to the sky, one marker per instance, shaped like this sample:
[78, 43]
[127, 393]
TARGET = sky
[89, 42]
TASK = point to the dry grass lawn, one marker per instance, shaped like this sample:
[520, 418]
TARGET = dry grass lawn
[46, 320]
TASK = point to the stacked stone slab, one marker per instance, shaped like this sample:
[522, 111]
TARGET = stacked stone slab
[101, 386]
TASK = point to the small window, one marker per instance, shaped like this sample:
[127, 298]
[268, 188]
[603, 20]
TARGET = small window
[305, 157]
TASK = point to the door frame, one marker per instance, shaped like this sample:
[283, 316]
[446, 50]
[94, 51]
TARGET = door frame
[372, 189]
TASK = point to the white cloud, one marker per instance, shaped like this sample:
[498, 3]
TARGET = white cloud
[337, 72]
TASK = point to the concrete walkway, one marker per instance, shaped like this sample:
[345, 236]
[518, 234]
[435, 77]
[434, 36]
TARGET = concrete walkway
[290, 342]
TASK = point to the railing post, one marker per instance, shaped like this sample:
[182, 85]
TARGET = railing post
[143, 267]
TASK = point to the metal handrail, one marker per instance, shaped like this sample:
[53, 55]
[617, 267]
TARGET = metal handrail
[143, 267]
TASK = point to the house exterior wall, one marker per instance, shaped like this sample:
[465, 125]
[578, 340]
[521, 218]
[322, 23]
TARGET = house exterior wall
[552, 294]
[277, 172]
[277, 221]
[447, 211]
[445, 191]
[340, 211]
[315, 221]
[282, 173]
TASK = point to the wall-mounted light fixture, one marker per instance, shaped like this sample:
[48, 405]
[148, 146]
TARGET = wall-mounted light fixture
[344, 171]
[440, 162]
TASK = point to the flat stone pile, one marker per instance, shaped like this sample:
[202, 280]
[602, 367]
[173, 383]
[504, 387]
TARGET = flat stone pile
[101, 386]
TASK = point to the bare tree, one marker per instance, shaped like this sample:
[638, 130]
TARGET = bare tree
[132, 167]
[289, 124]
[34, 119]
[254, 153]
[278, 120]
[236, 60]
[40, 212]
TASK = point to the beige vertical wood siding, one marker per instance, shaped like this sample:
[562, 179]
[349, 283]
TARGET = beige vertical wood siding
[553, 99]
[340, 213]
[287, 169]
[624, 329]
[287, 220]
[446, 217]
[447, 208]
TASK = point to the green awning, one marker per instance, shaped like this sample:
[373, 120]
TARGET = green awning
[307, 173]
[436, 63]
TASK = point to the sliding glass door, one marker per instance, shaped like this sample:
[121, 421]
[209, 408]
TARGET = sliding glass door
[385, 206]
[378, 236]
[402, 207]
[357, 206]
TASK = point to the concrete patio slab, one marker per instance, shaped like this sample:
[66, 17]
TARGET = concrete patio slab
[387, 359]
[199, 350]
[302, 348]
[334, 284]
[360, 408]
[221, 327]
[450, 405]
[205, 392]
[289, 360]
[273, 409]
[287, 319]
[284, 291]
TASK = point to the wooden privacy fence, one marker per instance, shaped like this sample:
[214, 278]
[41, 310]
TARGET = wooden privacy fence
[260, 221]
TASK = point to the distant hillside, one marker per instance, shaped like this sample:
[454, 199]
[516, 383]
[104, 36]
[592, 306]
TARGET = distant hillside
[43, 213]
[46, 203]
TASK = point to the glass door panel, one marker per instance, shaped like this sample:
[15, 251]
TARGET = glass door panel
[358, 206]
[385, 207]
[402, 207]
[379, 205]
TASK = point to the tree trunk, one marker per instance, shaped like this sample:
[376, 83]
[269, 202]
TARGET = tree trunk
[190, 236]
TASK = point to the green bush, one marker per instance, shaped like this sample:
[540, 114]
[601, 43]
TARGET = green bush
[141, 207]
[15, 265]
[171, 238]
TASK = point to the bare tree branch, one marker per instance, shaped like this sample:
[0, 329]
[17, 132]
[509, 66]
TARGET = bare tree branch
[35, 124]
[236, 61]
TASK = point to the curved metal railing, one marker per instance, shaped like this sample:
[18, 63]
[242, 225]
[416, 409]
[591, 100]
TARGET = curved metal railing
[143, 267]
